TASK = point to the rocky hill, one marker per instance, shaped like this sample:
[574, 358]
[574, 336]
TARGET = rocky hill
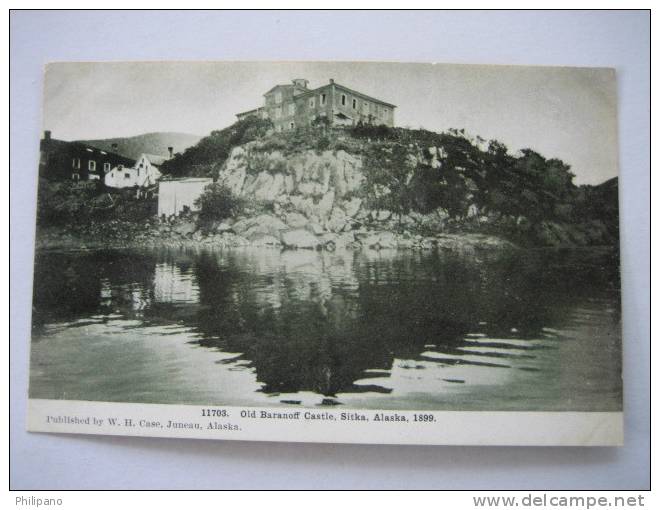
[356, 187]
[341, 185]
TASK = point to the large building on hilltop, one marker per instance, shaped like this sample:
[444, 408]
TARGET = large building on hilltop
[295, 105]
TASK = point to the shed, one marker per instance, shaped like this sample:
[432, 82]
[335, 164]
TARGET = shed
[177, 195]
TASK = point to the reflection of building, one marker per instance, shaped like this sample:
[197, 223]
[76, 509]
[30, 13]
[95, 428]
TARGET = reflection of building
[178, 195]
[172, 286]
[132, 297]
[143, 174]
[294, 105]
[76, 161]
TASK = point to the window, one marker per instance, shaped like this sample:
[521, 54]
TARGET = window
[322, 99]
[75, 177]
[76, 163]
[278, 97]
[127, 175]
[106, 167]
[292, 109]
[292, 125]
[278, 112]
[312, 102]
[365, 106]
[354, 104]
[343, 99]
[91, 165]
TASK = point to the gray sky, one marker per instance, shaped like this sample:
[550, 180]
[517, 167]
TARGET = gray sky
[568, 113]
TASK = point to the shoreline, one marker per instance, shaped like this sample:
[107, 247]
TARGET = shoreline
[55, 238]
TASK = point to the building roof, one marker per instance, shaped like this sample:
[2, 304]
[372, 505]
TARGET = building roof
[254, 110]
[354, 92]
[186, 179]
[155, 159]
[306, 91]
[53, 143]
[286, 86]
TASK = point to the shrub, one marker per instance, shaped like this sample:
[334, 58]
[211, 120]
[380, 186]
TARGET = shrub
[218, 203]
[78, 203]
[214, 149]
[321, 122]
[323, 144]
[377, 132]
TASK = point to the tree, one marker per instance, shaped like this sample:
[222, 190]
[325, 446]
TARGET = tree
[217, 203]
[389, 170]
[211, 151]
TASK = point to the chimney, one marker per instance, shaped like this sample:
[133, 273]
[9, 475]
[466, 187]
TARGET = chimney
[47, 135]
[301, 82]
[171, 151]
[114, 147]
[332, 80]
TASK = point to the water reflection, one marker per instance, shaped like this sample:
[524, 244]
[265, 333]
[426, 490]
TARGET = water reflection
[372, 329]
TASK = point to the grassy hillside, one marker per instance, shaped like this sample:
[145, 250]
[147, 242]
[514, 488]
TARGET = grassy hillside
[150, 143]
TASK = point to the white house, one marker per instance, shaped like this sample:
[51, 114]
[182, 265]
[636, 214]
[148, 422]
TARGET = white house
[177, 195]
[143, 174]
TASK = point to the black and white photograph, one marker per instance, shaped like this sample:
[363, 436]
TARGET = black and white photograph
[327, 240]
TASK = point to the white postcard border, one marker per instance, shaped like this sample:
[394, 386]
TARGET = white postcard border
[327, 425]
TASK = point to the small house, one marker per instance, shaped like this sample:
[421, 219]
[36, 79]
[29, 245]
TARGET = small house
[143, 174]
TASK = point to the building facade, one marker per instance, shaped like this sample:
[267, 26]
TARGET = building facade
[176, 196]
[295, 105]
[62, 160]
[143, 174]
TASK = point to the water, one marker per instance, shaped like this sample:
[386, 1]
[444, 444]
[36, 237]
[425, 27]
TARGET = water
[538, 330]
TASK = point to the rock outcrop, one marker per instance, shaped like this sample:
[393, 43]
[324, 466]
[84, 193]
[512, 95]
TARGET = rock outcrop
[300, 238]
[315, 203]
[307, 187]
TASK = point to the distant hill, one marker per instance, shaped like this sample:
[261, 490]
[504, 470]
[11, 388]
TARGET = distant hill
[150, 143]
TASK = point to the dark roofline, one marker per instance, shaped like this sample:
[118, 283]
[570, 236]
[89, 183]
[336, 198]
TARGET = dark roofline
[86, 146]
[273, 88]
[355, 92]
[298, 87]
[250, 111]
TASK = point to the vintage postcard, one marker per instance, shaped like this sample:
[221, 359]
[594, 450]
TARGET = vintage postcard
[328, 252]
